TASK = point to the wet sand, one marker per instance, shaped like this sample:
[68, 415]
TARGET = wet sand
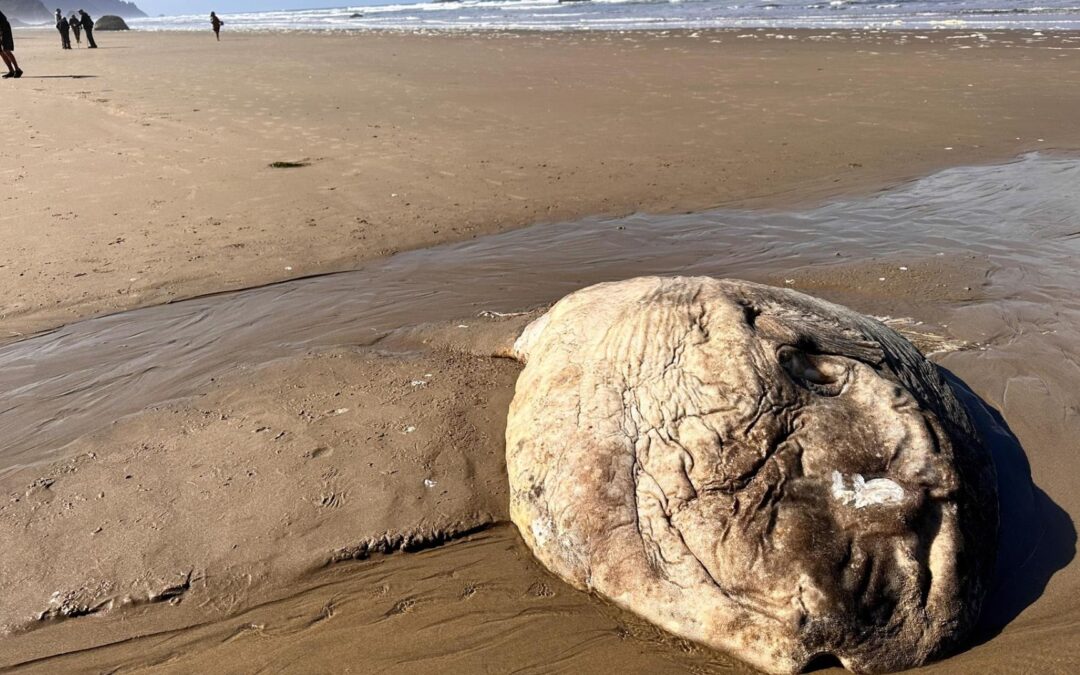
[276, 517]
[140, 172]
[309, 476]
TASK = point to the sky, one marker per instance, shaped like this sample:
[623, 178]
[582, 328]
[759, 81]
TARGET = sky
[155, 7]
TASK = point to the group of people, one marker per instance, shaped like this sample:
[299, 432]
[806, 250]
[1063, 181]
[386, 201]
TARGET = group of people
[78, 23]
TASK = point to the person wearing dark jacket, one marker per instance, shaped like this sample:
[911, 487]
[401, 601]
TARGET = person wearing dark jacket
[76, 28]
[64, 27]
[216, 24]
[7, 49]
[88, 28]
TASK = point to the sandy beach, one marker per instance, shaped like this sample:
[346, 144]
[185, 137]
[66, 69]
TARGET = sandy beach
[140, 173]
[308, 476]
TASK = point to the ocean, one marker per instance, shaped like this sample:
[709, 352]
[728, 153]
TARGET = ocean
[653, 15]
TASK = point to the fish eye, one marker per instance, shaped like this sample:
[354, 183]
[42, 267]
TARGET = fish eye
[822, 374]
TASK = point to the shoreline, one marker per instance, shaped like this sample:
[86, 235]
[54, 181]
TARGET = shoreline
[709, 31]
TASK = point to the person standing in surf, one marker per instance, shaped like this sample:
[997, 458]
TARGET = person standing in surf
[216, 24]
[7, 49]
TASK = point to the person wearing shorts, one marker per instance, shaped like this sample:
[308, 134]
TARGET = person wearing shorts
[7, 48]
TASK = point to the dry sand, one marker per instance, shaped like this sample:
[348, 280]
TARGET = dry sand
[261, 524]
[139, 173]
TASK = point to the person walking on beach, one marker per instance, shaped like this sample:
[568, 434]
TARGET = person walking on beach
[64, 27]
[76, 28]
[216, 24]
[88, 26]
[7, 49]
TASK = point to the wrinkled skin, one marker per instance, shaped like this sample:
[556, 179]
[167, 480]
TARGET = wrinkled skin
[753, 469]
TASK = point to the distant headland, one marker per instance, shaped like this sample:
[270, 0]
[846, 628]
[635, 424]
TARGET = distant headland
[35, 11]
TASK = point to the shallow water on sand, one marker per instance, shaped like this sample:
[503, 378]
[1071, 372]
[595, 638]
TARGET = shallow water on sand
[1022, 217]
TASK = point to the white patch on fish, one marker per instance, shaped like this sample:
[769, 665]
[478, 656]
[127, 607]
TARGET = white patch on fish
[875, 492]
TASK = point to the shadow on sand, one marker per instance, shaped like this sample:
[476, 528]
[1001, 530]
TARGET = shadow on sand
[58, 77]
[1036, 536]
